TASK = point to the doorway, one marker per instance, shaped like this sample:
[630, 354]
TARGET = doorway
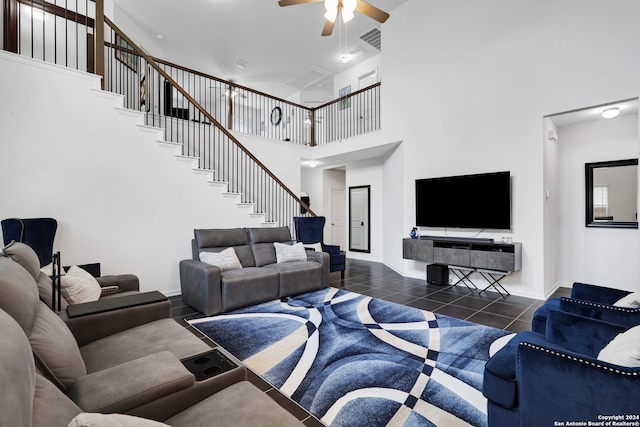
[337, 217]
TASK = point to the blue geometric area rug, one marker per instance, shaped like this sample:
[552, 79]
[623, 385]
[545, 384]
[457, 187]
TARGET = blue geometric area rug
[352, 360]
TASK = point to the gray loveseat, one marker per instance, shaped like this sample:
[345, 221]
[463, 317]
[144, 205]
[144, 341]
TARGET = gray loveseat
[212, 291]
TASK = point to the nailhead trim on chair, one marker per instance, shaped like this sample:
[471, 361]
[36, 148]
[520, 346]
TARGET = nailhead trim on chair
[586, 362]
[608, 307]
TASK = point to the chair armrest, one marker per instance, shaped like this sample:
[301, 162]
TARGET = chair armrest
[92, 327]
[593, 293]
[580, 334]
[200, 286]
[331, 249]
[618, 315]
[132, 384]
[555, 385]
[124, 282]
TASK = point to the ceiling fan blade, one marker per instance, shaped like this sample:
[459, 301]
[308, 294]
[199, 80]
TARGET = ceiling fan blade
[283, 3]
[371, 11]
[328, 27]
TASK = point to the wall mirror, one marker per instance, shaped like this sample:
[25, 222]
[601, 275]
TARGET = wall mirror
[359, 219]
[612, 194]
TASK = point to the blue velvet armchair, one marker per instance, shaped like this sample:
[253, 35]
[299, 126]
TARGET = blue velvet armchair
[589, 301]
[536, 380]
[37, 233]
[310, 230]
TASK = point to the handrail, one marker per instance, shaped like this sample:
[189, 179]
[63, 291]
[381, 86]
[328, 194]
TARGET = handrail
[351, 95]
[204, 112]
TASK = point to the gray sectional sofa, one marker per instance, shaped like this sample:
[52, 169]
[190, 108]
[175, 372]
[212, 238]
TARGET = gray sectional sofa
[156, 370]
[211, 291]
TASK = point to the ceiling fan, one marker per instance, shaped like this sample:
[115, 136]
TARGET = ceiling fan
[343, 7]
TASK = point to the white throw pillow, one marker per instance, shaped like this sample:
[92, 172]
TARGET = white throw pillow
[112, 420]
[630, 301]
[624, 349]
[315, 246]
[288, 253]
[225, 260]
[78, 286]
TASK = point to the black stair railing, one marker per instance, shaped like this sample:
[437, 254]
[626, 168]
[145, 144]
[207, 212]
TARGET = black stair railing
[147, 86]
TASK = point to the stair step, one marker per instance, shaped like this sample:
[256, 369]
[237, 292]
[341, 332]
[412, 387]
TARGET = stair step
[130, 113]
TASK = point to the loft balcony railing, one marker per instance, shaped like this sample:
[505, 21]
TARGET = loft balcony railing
[196, 110]
[71, 33]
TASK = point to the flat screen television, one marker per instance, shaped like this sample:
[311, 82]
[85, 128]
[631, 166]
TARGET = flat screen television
[481, 201]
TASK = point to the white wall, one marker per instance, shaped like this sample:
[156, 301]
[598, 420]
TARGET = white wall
[369, 172]
[603, 256]
[350, 76]
[118, 197]
[311, 182]
[482, 75]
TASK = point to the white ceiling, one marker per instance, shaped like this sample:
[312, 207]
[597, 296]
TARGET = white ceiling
[589, 114]
[276, 43]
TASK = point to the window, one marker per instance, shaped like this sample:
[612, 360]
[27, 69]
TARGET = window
[600, 201]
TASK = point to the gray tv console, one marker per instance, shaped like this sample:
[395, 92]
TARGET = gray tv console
[492, 260]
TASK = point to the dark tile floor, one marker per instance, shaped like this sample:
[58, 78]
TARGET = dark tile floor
[512, 313]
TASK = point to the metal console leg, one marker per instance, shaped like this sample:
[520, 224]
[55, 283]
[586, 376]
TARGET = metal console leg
[463, 277]
[494, 277]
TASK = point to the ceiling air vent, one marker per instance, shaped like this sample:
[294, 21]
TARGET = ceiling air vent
[373, 37]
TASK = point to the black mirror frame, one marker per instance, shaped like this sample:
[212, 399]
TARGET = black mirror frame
[589, 168]
[368, 188]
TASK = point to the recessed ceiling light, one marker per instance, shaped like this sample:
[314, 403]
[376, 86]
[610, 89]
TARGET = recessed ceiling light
[610, 113]
[241, 64]
[159, 36]
[345, 58]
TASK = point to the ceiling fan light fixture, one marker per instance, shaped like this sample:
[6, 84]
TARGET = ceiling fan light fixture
[346, 15]
[610, 113]
[331, 15]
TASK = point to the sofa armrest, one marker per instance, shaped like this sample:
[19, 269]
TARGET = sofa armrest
[593, 293]
[92, 327]
[132, 384]
[324, 259]
[200, 286]
[555, 385]
[124, 282]
[618, 315]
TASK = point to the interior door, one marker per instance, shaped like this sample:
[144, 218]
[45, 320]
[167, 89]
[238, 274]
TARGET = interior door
[359, 217]
[337, 217]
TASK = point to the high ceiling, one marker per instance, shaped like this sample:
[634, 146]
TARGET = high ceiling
[275, 43]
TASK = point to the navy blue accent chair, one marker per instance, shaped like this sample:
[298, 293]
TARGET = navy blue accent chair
[536, 379]
[589, 301]
[310, 229]
[37, 233]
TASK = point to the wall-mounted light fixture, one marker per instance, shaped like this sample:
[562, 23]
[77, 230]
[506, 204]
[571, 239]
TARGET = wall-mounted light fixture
[610, 113]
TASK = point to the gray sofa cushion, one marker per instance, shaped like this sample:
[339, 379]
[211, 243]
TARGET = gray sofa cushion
[18, 293]
[57, 348]
[217, 240]
[51, 407]
[248, 286]
[298, 277]
[240, 404]
[139, 382]
[262, 243]
[164, 334]
[25, 256]
[17, 374]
